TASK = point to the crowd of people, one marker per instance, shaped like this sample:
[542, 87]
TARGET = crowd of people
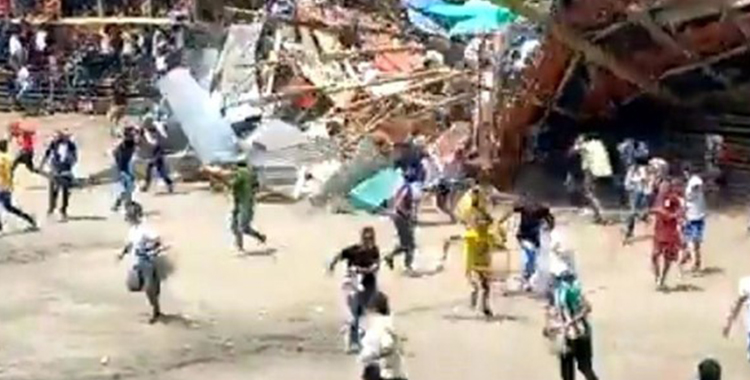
[66, 75]
[674, 199]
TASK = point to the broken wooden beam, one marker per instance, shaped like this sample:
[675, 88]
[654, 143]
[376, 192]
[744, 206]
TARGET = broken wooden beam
[590, 52]
[706, 62]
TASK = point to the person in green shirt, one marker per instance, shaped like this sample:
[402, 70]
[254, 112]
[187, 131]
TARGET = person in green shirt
[244, 186]
[568, 320]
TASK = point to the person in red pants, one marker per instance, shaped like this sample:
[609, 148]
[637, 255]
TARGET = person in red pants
[667, 237]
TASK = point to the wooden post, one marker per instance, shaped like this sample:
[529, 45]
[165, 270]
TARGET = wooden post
[100, 8]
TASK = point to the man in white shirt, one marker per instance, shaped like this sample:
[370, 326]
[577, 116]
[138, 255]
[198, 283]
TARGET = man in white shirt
[695, 217]
[739, 303]
[23, 82]
[143, 244]
[381, 345]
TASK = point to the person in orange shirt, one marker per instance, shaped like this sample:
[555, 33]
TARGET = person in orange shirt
[6, 188]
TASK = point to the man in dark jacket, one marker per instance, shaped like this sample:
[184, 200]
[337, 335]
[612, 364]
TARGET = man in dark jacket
[62, 154]
[155, 141]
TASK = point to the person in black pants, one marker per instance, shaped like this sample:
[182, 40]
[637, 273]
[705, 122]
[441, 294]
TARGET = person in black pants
[155, 140]
[62, 153]
[569, 323]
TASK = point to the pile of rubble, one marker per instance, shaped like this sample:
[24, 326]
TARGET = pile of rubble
[316, 93]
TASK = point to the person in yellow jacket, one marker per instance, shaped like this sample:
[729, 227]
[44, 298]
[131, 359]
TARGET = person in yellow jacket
[6, 188]
[478, 243]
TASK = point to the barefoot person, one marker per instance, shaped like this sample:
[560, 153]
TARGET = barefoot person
[144, 245]
[695, 218]
[667, 237]
[478, 244]
[6, 188]
[362, 264]
[740, 302]
[62, 154]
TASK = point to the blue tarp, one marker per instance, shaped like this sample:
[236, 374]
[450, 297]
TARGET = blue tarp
[371, 193]
[471, 18]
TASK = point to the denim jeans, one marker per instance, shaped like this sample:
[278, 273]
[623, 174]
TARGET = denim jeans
[6, 201]
[638, 205]
[157, 163]
[529, 250]
[357, 302]
[126, 181]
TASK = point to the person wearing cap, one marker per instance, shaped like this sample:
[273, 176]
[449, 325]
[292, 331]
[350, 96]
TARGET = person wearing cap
[567, 323]
[123, 155]
[6, 188]
[62, 154]
[143, 244]
[155, 138]
[695, 217]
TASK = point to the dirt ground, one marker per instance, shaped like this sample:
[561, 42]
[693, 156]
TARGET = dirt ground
[274, 314]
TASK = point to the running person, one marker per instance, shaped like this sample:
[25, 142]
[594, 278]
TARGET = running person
[740, 302]
[404, 220]
[362, 263]
[532, 215]
[25, 137]
[667, 237]
[695, 218]
[144, 244]
[478, 244]
[6, 188]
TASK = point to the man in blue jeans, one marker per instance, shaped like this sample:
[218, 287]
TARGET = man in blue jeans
[6, 188]
[363, 262]
[532, 215]
[123, 156]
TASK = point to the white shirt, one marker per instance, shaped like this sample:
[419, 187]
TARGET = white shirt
[382, 345]
[161, 63]
[15, 46]
[695, 200]
[745, 292]
[40, 40]
[23, 75]
[140, 237]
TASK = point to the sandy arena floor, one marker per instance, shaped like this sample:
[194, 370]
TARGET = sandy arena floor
[274, 315]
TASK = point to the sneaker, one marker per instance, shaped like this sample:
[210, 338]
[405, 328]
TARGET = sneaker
[262, 238]
[488, 313]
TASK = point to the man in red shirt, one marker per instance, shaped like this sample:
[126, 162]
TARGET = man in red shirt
[25, 136]
[667, 237]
